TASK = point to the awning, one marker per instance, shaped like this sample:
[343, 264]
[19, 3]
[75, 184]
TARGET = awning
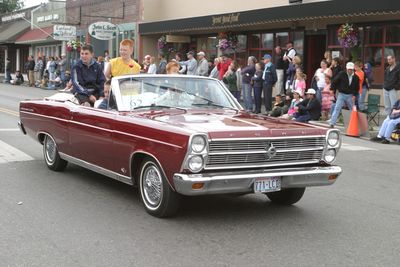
[36, 36]
[10, 31]
[331, 9]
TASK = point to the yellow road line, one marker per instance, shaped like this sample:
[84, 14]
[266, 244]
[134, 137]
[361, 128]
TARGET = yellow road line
[9, 112]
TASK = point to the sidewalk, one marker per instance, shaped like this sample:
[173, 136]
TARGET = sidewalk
[25, 84]
[340, 126]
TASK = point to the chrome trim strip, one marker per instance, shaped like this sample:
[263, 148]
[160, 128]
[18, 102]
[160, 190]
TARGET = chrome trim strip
[91, 126]
[148, 139]
[267, 138]
[45, 116]
[100, 128]
[239, 152]
[317, 148]
[98, 169]
[279, 163]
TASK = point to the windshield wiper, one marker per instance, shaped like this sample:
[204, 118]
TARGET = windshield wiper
[155, 106]
[212, 104]
[209, 103]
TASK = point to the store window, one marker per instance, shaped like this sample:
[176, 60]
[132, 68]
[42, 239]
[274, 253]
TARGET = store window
[208, 45]
[281, 38]
[298, 42]
[393, 34]
[267, 41]
[373, 35]
[254, 41]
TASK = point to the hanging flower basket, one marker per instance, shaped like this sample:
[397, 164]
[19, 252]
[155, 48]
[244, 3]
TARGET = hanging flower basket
[162, 45]
[227, 42]
[347, 35]
[74, 45]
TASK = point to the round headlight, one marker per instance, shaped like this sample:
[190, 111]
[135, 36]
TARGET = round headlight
[198, 144]
[195, 163]
[333, 138]
[330, 156]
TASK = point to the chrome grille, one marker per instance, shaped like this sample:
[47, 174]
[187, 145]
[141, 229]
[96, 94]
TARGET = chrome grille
[252, 153]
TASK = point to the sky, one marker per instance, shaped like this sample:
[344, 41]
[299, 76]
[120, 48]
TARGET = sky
[29, 3]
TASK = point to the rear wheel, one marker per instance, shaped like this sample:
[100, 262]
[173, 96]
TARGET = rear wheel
[287, 196]
[51, 156]
[157, 196]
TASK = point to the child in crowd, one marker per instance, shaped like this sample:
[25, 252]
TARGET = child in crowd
[300, 82]
[326, 98]
[296, 100]
[103, 103]
[257, 83]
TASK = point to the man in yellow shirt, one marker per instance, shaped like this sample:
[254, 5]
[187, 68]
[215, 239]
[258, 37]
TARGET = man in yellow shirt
[123, 65]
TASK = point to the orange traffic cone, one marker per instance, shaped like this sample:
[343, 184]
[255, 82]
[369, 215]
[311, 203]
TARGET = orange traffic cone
[352, 130]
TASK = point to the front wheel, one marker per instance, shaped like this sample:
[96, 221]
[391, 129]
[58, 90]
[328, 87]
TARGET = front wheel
[51, 156]
[287, 196]
[157, 196]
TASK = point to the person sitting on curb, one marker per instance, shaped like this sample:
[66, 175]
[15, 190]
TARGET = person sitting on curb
[19, 78]
[277, 108]
[309, 109]
[388, 125]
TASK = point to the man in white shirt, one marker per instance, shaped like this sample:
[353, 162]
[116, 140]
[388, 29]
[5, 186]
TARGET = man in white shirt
[202, 67]
[290, 52]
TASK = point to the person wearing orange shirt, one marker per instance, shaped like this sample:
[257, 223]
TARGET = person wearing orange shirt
[362, 89]
[123, 65]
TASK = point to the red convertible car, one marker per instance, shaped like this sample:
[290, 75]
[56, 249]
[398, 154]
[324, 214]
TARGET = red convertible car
[182, 135]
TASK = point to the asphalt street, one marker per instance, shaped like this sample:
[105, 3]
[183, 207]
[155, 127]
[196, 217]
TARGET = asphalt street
[80, 218]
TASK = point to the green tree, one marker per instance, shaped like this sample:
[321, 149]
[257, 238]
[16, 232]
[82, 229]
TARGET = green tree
[10, 5]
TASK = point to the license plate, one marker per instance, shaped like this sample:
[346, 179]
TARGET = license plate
[264, 185]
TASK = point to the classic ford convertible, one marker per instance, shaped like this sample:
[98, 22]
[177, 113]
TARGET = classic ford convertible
[182, 135]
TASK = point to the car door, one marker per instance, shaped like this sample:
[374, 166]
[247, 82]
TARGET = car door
[90, 136]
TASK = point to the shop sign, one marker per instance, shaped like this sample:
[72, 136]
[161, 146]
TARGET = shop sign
[177, 38]
[225, 19]
[13, 16]
[335, 54]
[103, 30]
[64, 32]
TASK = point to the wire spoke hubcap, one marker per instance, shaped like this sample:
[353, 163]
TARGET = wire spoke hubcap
[152, 186]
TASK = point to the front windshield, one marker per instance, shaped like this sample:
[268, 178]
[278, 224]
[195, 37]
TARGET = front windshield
[173, 92]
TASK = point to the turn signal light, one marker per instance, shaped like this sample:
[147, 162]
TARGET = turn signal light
[332, 177]
[197, 186]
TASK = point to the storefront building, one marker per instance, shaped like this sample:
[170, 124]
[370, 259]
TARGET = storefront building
[257, 29]
[40, 36]
[122, 14]
[13, 25]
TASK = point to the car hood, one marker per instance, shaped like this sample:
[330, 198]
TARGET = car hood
[229, 124]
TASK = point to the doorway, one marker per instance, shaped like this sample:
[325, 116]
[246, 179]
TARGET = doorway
[315, 46]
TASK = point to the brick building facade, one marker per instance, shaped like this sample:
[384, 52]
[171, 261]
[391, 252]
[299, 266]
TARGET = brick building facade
[123, 13]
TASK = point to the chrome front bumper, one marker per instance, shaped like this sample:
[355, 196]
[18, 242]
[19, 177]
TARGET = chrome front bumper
[242, 181]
